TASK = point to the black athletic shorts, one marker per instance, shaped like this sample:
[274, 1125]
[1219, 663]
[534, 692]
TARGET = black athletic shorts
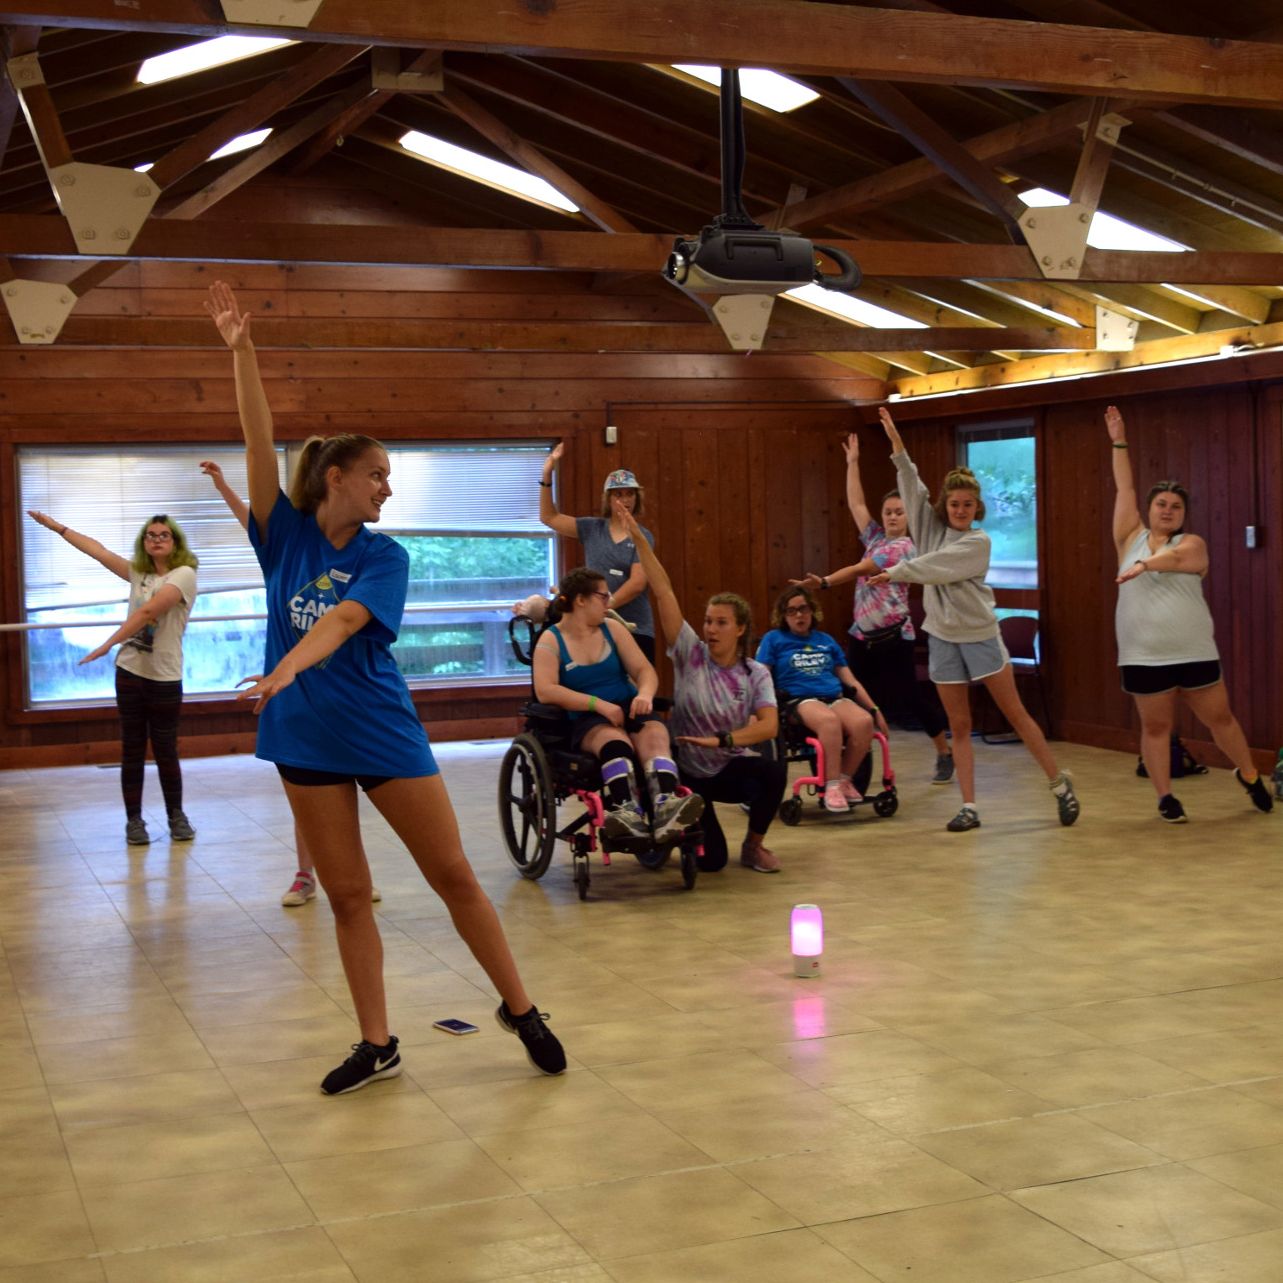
[300, 775]
[586, 721]
[1158, 679]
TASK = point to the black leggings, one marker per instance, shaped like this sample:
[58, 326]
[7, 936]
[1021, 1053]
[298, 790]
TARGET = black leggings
[888, 672]
[759, 781]
[148, 710]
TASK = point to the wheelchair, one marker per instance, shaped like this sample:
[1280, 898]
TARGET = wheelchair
[540, 771]
[798, 744]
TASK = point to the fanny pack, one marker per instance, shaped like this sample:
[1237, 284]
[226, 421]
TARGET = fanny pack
[880, 636]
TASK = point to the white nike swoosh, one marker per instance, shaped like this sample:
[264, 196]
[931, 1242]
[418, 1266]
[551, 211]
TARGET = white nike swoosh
[380, 1065]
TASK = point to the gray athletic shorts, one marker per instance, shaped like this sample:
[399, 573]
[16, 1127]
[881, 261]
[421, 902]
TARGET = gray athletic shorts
[957, 663]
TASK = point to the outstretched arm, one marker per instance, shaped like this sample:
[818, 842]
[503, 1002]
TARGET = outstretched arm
[670, 613]
[548, 514]
[1127, 518]
[1189, 557]
[117, 564]
[860, 513]
[835, 577]
[251, 401]
[163, 602]
[230, 497]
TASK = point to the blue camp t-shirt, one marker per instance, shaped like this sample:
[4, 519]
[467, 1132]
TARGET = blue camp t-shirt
[351, 713]
[803, 666]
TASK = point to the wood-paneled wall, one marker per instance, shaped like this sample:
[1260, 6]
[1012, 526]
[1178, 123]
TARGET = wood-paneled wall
[741, 456]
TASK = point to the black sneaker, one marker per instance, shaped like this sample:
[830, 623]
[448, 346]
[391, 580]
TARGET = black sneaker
[1067, 804]
[180, 827]
[1170, 809]
[541, 1044]
[366, 1064]
[1257, 791]
[136, 832]
[966, 819]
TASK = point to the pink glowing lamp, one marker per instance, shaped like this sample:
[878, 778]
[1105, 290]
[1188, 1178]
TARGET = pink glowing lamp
[806, 933]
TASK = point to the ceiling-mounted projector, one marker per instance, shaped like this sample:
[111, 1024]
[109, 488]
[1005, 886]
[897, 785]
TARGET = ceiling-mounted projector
[737, 263]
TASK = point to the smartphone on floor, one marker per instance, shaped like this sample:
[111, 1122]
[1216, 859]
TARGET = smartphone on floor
[455, 1026]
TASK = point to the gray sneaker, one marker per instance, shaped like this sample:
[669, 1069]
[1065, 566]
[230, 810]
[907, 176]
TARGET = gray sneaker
[964, 820]
[1066, 800]
[180, 827]
[673, 814]
[627, 821]
[136, 832]
[944, 768]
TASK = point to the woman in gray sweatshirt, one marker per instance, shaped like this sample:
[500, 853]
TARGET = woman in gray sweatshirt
[964, 641]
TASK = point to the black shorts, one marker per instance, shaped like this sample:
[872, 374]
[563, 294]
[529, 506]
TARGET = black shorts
[793, 702]
[1158, 679]
[584, 723]
[306, 778]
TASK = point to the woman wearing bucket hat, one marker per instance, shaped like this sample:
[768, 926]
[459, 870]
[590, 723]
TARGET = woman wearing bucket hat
[608, 547]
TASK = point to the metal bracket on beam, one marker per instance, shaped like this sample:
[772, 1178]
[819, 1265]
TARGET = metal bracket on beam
[37, 308]
[1057, 236]
[271, 13]
[1110, 126]
[744, 318]
[386, 73]
[24, 71]
[105, 206]
[1114, 331]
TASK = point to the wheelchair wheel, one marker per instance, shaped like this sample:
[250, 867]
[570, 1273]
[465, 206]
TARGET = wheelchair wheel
[886, 804]
[791, 811]
[527, 807]
[581, 878]
[690, 870]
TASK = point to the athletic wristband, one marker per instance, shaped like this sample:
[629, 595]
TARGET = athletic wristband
[592, 702]
[1120, 445]
[824, 582]
[547, 485]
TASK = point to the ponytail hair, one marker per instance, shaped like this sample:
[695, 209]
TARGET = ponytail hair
[743, 619]
[318, 456]
[958, 479]
[575, 584]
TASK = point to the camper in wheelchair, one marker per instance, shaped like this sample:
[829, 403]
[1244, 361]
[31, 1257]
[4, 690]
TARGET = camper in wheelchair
[592, 731]
[825, 713]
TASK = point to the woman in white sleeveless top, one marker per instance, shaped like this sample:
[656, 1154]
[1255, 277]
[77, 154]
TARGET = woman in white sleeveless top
[1165, 644]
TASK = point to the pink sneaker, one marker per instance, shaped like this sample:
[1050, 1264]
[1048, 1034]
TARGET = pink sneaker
[850, 792]
[303, 890]
[835, 799]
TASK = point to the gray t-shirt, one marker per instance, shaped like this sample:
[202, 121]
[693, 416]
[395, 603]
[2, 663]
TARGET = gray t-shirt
[1162, 618]
[615, 561]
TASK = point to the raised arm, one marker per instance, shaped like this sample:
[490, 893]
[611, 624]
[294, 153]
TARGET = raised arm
[148, 613]
[860, 513]
[251, 401]
[653, 572]
[1127, 518]
[548, 514]
[230, 497]
[118, 565]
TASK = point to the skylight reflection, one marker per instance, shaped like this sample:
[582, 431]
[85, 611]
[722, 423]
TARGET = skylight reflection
[766, 88]
[1107, 232]
[201, 57]
[470, 164]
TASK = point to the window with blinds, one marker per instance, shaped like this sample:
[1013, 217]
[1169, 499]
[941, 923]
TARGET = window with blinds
[466, 514]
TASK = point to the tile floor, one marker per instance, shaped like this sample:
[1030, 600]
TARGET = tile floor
[1034, 1053]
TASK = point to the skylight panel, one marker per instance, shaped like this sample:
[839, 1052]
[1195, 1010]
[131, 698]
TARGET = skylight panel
[766, 88]
[203, 56]
[469, 164]
[1107, 232]
[847, 308]
[243, 143]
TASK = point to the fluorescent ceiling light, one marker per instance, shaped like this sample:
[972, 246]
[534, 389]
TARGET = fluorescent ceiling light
[1107, 232]
[847, 308]
[766, 88]
[207, 54]
[142, 169]
[469, 164]
[243, 143]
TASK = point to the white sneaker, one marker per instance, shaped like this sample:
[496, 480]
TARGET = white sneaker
[302, 890]
[627, 821]
[835, 799]
[673, 814]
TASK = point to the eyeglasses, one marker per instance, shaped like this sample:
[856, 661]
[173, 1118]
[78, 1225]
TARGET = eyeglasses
[605, 596]
[158, 535]
[797, 610]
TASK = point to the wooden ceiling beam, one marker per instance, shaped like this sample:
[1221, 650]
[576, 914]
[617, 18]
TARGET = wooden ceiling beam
[45, 236]
[531, 159]
[790, 35]
[1245, 304]
[551, 336]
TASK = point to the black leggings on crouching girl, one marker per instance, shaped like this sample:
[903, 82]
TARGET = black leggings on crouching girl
[758, 781]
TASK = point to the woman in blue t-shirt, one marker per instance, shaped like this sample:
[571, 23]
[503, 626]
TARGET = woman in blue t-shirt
[335, 712]
[811, 671]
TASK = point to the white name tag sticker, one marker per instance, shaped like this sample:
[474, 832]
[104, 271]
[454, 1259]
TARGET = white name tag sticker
[620, 573]
[341, 576]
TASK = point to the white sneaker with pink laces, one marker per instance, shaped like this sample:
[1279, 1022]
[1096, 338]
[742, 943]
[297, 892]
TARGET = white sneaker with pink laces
[301, 891]
[835, 799]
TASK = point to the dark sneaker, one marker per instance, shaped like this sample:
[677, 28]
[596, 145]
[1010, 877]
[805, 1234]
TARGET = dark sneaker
[944, 768]
[136, 832]
[627, 821]
[674, 814]
[366, 1064]
[1066, 799]
[1257, 791]
[180, 827]
[964, 820]
[541, 1044]
[1170, 809]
